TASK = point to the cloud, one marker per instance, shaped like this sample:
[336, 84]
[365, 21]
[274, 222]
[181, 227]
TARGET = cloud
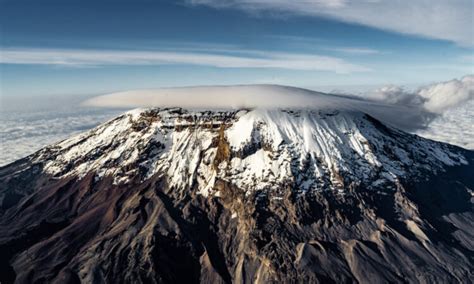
[453, 126]
[275, 4]
[23, 132]
[407, 110]
[260, 96]
[244, 59]
[434, 98]
[442, 96]
[437, 19]
[469, 58]
[355, 50]
[446, 109]
[311, 42]
[395, 95]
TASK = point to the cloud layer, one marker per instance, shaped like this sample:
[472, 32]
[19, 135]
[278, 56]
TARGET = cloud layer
[410, 111]
[439, 19]
[447, 108]
[435, 98]
[25, 131]
[261, 96]
[245, 59]
[443, 96]
[454, 126]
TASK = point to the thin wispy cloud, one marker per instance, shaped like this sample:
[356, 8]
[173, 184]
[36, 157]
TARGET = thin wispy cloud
[468, 58]
[438, 19]
[245, 59]
[355, 50]
[317, 43]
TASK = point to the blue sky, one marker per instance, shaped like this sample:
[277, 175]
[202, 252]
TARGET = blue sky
[93, 47]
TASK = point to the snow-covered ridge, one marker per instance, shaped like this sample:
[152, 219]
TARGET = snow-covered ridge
[270, 150]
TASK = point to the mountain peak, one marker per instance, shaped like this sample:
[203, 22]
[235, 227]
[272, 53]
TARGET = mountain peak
[233, 195]
[256, 149]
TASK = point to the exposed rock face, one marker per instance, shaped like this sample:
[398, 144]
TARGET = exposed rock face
[169, 195]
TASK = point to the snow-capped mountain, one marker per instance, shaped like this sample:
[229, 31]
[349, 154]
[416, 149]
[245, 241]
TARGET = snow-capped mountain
[255, 150]
[248, 195]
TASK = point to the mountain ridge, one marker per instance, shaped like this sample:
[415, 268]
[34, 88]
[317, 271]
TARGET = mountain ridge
[237, 196]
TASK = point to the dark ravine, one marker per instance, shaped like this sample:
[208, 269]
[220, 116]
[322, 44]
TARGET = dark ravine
[60, 228]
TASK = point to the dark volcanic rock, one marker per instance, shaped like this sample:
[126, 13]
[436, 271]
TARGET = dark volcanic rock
[171, 196]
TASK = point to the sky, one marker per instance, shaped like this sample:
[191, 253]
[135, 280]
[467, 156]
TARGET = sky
[73, 47]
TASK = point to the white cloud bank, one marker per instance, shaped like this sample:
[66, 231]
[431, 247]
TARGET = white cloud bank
[435, 98]
[246, 59]
[218, 97]
[410, 111]
[259, 96]
[450, 20]
[25, 131]
[448, 108]
[454, 126]
[443, 96]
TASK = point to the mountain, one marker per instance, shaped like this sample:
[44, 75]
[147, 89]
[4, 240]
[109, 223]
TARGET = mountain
[170, 195]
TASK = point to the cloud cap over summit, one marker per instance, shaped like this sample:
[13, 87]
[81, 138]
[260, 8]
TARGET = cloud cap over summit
[393, 105]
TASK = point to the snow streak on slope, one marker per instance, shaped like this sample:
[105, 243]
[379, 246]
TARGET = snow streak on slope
[268, 150]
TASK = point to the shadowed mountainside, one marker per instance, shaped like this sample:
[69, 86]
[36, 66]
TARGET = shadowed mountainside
[170, 195]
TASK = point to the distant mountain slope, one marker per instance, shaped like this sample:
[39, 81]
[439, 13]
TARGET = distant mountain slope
[173, 195]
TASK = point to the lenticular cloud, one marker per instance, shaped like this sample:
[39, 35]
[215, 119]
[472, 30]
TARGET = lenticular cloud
[260, 96]
[409, 111]
[221, 97]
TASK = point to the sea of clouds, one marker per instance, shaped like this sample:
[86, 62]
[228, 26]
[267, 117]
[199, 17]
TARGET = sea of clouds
[27, 125]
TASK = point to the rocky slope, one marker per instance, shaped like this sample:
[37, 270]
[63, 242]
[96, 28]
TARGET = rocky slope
[173, 195]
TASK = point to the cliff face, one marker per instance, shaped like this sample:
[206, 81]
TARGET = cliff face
[169, 195]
